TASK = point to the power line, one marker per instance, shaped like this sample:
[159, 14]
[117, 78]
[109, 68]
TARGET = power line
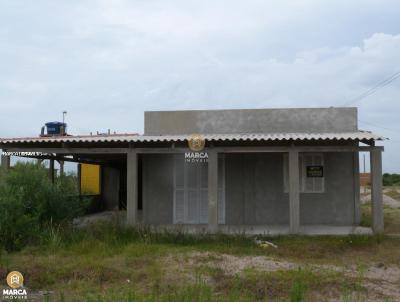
[375, 88]
[392, 139]
[372, 90]
[378, 126]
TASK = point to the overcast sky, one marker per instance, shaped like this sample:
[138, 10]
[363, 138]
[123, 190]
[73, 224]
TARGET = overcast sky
[106, 62]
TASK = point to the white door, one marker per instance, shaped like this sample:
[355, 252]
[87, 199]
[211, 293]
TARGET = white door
[179, 190]
[191, 192]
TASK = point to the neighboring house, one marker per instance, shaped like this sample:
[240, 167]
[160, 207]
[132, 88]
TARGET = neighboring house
[269, 171]
[365, 179]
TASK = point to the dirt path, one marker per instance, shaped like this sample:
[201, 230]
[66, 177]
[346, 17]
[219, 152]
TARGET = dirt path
[387, 200]
[379, 280]
[391, 202]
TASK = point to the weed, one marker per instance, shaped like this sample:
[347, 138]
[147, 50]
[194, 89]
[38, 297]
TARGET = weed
[298, 291]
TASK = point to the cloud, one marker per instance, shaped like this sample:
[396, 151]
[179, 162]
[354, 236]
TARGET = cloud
[106, 62]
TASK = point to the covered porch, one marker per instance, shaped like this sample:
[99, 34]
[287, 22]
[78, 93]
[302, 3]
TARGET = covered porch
[127, 152]
[294, 225]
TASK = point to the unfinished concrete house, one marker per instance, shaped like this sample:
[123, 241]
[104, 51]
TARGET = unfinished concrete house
[261, 171]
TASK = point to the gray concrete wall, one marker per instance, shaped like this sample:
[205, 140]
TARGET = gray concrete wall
[158, 188]
[255, 191]
[250, 121]
[336, 205]
[110, 187]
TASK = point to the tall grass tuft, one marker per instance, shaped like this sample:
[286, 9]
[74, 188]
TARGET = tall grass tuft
[297, 291]
[52, 236]
[116, 234]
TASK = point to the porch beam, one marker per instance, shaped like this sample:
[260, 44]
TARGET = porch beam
[64, 159]
[376, 191]
[212, 191]
[87, 150]
[294, 191]
[262, 149]
[231, 149]
[132, 186]
[249, 149]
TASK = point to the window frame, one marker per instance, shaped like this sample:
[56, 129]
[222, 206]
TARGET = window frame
[302, 173]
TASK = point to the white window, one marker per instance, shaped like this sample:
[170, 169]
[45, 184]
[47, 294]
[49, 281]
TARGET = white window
[191, 191]
[311, 169]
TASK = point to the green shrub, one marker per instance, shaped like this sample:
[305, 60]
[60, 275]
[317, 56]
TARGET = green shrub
[29, 202]
[297, 291]
[391, 179]
[17, 226]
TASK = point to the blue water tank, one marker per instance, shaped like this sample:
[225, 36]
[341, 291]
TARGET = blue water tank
[56, 128]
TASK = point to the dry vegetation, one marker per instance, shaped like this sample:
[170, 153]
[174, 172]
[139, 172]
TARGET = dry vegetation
[393, 192]
[106, 262]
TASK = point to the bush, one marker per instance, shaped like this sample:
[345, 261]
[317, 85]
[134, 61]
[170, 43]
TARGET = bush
[391, 179]
[29, 202]
[297, 291]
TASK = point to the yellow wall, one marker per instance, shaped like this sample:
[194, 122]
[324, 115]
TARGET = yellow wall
[90, 179]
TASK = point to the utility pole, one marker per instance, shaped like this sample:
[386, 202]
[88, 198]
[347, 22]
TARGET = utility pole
[364, 163]
[64, 114]
[365, 187]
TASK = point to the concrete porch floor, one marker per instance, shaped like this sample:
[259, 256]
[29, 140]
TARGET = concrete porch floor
[271, 230]
[267, 230]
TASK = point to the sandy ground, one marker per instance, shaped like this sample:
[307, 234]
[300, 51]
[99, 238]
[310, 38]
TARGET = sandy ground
[106, 216]
[387, 200]
[379, 280]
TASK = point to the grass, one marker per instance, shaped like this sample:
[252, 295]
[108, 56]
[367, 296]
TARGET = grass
[393, 192]
[391, 218]
[110, 263]
[107, 262]
[286, 285]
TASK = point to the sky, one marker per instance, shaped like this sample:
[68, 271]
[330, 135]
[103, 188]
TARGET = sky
[106, 62]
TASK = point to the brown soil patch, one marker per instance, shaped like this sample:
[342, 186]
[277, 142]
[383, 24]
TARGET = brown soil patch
[379, 280]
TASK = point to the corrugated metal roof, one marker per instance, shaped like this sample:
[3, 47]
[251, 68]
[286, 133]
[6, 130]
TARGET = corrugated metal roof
[131, 138]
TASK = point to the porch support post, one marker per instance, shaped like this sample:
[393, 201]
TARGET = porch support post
[61, 162]
[294, 192]
[51, 171]
[357, 209]
[212, 191]
[132, 186]
[5, 162]
[376, 190]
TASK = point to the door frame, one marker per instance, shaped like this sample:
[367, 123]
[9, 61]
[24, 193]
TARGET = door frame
[200, 190]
